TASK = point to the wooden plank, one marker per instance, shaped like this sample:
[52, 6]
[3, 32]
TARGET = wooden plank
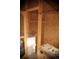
[39, 31]
[25, 18]
[33, 9]
[39, 26]
[21, 36]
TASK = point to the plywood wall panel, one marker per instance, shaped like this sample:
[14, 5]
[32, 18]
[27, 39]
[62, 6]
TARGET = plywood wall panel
[51, 26]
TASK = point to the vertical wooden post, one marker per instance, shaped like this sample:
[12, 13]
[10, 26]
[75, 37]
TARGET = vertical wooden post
[39, 26]
[25, 17]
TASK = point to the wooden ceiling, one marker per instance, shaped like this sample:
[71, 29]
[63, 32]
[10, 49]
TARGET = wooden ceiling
[26, 2]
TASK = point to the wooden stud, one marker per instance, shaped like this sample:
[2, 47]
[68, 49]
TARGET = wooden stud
[25, 18]
[39, 26]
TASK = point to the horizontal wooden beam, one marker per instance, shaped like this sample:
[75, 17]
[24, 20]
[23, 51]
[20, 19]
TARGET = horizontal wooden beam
[21, 37]
[30, 9]
[33, 9]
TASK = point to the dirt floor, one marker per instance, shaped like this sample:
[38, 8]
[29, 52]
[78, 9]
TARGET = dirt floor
[40, 56]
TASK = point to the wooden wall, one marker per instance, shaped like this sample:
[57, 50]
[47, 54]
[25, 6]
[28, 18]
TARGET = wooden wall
[51, 25]
[21, 25]
[33, 22]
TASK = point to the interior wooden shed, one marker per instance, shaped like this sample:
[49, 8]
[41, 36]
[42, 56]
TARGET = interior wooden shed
[39, 29]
